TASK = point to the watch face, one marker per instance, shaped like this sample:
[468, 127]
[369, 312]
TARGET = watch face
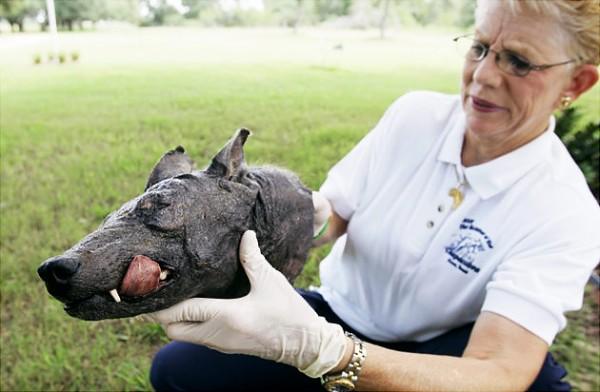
[339, 384]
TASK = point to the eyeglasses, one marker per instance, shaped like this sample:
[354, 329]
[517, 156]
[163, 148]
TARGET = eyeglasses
[506, 60]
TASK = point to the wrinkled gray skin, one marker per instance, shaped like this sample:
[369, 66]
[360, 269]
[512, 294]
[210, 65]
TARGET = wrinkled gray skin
[191, 223]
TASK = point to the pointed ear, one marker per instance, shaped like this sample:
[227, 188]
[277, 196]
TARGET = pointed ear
[173, 163]
[229, 161]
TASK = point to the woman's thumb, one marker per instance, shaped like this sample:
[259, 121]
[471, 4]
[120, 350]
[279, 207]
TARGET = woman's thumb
[250, 256]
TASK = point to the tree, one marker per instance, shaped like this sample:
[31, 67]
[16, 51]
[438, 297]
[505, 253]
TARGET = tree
[125, 10]
[328, 8]
[426, 12]
[288, 13]
[295, 21]
[385, 5]
[583, 145]
[196, 7]
[15, 11]
[159, 12]
[71, 12]
[466, 17]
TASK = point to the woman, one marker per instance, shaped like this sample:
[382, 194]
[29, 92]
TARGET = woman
[469, 232]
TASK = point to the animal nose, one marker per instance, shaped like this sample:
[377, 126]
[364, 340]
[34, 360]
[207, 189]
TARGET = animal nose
[58, 270]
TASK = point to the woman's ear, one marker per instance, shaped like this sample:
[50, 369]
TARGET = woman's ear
[584, 77]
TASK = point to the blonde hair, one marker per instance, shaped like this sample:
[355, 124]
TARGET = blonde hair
[579, 19]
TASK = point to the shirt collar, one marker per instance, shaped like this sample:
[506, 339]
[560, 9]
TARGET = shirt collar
[490, 178]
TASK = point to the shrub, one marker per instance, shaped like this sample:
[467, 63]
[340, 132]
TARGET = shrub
[75, 56]
[62, 58]
[584, 145]
[37, 58]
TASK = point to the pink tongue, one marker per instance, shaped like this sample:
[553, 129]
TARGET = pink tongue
[142, 277]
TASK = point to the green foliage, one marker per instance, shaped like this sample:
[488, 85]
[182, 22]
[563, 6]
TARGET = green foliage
[72, 13]
[289, 13]
[125, 10]
[160, 12]
[74, 56]
[466, 16]
[15, 11]
[460, 13]
[69, 13]
[325, 9]
[426, 12]
[572, 346]
[196, 7]
[584, 145]
[37, 58]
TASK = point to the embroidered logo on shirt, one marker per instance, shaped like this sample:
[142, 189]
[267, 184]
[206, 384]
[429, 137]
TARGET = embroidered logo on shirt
[466, 245]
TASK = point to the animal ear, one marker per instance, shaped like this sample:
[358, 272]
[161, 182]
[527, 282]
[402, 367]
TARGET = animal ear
[173, 163]
[228, 162]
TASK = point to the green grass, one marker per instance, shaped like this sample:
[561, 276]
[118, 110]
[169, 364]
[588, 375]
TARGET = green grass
[77, 140]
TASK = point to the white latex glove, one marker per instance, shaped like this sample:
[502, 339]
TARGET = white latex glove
[322, 212]
[272, 322]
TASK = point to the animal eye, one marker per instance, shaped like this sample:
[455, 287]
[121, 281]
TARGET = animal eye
[153, 201]
[159, 211]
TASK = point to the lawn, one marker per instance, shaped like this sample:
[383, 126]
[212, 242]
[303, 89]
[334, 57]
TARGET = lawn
[79, 139]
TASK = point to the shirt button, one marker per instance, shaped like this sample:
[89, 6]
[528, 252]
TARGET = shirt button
[430, 224]
[440, 208]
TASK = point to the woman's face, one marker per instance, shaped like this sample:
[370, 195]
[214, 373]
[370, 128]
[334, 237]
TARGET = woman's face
[505, 110]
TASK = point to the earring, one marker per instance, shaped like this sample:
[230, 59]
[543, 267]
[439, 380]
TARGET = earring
[565, 102]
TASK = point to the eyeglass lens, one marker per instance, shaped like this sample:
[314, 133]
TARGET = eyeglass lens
[505, 60]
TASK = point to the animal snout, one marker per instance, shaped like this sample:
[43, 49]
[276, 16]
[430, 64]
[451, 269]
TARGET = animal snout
[58, 271]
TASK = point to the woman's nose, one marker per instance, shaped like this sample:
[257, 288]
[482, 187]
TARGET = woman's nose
[487, 72]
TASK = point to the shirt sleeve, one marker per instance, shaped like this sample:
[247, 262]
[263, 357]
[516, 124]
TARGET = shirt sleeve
[347, 181]
[545, 275]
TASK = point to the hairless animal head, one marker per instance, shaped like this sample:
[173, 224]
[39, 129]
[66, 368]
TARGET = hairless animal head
[180, 238]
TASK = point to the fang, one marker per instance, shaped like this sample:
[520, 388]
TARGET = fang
[164, 274]
[115, 295]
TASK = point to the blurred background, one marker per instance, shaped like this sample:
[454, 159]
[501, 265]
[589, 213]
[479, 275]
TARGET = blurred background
[86, 110]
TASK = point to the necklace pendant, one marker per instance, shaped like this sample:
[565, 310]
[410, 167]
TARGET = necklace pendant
[457, 197]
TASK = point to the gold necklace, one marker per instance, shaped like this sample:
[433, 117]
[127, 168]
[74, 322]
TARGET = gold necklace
[456, 192]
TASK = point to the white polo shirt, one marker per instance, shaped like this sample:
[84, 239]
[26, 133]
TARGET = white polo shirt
[522, 244]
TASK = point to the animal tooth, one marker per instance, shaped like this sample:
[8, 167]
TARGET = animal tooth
[164, 274]
[115, 295]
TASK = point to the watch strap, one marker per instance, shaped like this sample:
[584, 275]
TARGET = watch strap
[346, 380]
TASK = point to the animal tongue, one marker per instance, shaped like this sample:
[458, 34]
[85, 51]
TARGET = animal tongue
[142, 277]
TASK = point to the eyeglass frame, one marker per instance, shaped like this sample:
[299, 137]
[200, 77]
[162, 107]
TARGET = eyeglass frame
[487, 49]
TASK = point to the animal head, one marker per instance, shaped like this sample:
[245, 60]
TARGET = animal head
[179, 239]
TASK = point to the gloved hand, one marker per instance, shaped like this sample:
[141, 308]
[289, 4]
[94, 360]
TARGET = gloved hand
[273, 321]
[322, 213]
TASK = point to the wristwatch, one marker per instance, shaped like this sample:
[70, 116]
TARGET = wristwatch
[345, 380]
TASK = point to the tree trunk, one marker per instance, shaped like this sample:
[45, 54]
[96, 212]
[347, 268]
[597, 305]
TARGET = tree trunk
[299, 14]
[386, 8]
